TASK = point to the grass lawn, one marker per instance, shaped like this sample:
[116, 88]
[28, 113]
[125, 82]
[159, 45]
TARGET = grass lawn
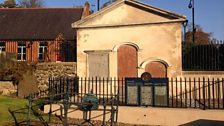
[18, 104]
[13, 104]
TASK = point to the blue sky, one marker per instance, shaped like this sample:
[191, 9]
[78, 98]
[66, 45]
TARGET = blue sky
[209, 14]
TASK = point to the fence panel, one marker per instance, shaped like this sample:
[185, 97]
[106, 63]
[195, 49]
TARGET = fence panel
[203, 57]
[183, 92]
[197, 93]
[103, 88]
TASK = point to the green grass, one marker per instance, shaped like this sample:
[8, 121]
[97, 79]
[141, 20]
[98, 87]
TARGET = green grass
[10, 103]
[21, 105]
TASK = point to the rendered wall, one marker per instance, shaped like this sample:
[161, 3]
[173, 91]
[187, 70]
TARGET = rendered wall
[155, 42]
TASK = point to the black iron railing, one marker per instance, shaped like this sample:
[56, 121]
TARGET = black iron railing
[203, 93]
[203, 57]
[197, 93]
[103, 88]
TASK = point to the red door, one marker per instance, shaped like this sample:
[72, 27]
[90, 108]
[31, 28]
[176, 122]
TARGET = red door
[127, 61]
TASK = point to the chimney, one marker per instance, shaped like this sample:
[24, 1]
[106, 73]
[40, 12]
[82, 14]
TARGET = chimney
[86, 10]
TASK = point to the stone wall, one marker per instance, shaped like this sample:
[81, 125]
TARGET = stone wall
[45, 70]
[7, 88]
[202, 74]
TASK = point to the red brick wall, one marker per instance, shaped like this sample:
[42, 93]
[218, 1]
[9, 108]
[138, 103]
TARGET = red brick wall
[11, 46]
[32, 50]
[53, 50]
[35, 51]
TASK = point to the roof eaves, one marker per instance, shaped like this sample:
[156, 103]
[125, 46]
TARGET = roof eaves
[131, 24]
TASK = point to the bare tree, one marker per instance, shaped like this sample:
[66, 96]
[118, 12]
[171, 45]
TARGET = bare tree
[31, 3]
[201, 37]
[8, 4]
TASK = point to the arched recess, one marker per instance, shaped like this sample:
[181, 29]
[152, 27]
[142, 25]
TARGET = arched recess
[157, 69]
[127, 59]
[116, 47]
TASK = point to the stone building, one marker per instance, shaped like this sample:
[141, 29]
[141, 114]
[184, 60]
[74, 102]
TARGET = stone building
[128, 38]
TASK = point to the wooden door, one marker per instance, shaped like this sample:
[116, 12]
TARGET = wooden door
[127, 61]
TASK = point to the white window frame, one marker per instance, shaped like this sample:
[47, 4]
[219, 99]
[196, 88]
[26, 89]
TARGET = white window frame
[43, 47]
[2, 47]
[21, 55]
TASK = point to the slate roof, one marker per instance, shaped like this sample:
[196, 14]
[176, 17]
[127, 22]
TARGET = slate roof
[38, 23]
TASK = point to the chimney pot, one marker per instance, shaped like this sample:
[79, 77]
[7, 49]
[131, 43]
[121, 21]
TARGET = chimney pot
[86, 9]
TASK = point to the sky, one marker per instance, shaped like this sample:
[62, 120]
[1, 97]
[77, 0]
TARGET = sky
[209, 14]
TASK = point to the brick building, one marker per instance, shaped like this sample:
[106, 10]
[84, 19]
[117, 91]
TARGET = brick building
[40, 34]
